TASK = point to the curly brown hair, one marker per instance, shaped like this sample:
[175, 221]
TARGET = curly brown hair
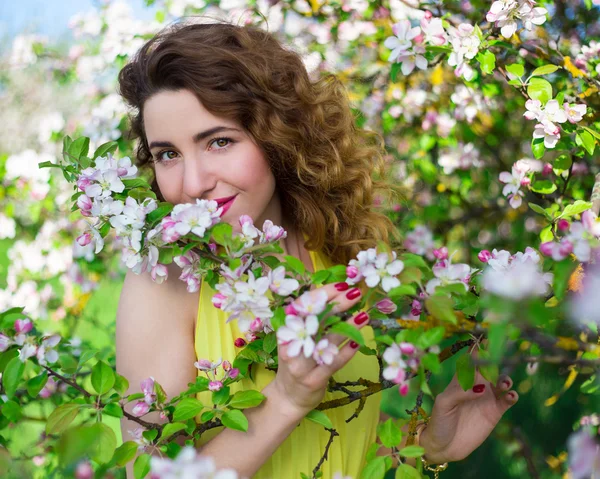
[326, 169]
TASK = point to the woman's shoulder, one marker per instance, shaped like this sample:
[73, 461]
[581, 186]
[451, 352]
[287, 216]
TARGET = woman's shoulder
[172, 291]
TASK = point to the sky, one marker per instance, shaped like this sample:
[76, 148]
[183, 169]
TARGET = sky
[50, 17]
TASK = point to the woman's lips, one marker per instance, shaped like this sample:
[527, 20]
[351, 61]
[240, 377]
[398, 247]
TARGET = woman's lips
[227, 205]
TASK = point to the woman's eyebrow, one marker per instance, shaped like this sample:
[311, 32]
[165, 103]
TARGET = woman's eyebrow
[197, 137]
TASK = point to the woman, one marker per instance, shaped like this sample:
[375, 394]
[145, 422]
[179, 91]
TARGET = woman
[227, 113]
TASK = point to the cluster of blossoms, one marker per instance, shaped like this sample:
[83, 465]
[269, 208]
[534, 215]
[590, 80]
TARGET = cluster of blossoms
[513, 181]
[143, 407]
[549, 116]
[402, 357]
[248, 301]
[373, 268]
[461, 157]
[584, 453]
[515, 276]
[210, 369]
[465, 41]
[188, 464]
[505, 13]
[44, 352]
[447, 273]
[580, 237]
[302, 324]
[409, 54]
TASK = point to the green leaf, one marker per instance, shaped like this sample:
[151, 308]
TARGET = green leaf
[442, 308]
[488, 61]
[410, 275]
[134, 183]
[103, 377]
[113, 410]
[539, 89]
[76, 442]
[412, 451]
[105, 148]
[106, 443]
[121, 383]
[430, 361]
[141, 466]
[537, 147]
[221, 396]
[159, 213]
[592, 132]
[585, 139]
[541, 211]
[430, 337]
[187, 408]
[221, 232]
[36, 384]
[125, 453]
[411, 259]
[389, 433]
[171, 429]
[546, 234]
[235, 419]
[563, 162]
[270, 343]
[11, 410]
[544, 70]
[488, 371]
[516, 69]
[12, 376]
[578, 207]
[405, 471]
[61, 417]
[374, 469]
[402, 290]
[346, 329]
[278, 318]
[295, 264]
[78, 148]
[246, 399]
[465, 371]
[544, 187]
[320, 418]
[320, 277]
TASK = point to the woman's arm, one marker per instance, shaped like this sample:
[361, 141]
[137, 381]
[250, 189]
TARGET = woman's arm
[155, 337]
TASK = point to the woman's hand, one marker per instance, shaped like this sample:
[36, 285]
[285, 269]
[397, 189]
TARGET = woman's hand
[300, 381]
[461, 420]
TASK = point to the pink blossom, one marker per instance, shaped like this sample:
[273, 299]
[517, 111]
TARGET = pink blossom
[215, 385]
[416, 308]
[289, 309]
[23, 326]
[233, 373]
[226, 365]
[351, 271]
[218, 300]
[325, 352]
[547, 170]
[441, 253]
[5, 342]
[484, 256]
[84, 239]
[84, 470]
[84, 203]
[140, 408]
[49, 388]
[169, 231]
[147, 386]
[207, 365]
[386, 306]
[408, 349]
[563, 225]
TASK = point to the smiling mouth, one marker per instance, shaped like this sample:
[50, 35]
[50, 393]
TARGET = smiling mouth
[227, 204]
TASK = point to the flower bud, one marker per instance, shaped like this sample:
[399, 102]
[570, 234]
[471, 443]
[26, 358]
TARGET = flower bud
[250, 336]
[218, 300]
[289, 309]
[416, 308]
[351, 272]
[226, 365]
[233, 373]
[563, 225]
[140, 409]
[546, 248]
[256, 325]
[386, 306]
[215, 385]
[239, 343]
[526, 181]
[83, 183]
[403, 389]
[441, 253]
[407, 348]
[84, 471]
[484, 256]
[531, 368]
[23, 326]
[547, 169]
[212, 247]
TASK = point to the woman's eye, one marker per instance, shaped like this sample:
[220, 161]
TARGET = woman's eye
[221, 143]
[161, 158]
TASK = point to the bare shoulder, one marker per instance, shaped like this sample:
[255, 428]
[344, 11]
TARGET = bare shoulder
[171, 296]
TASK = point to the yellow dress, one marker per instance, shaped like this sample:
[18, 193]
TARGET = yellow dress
[303, 448]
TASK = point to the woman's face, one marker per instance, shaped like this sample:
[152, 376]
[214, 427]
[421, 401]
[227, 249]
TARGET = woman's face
[199, 155]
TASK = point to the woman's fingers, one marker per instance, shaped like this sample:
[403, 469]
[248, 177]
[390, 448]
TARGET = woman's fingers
[503, 384]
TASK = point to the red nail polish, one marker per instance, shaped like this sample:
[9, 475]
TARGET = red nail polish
[506, 383]
[353, 345]
[353, 293]
[479, 388]
[342, 286]
[361, 318]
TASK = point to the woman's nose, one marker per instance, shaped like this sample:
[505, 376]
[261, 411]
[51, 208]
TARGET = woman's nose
[197, 178]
